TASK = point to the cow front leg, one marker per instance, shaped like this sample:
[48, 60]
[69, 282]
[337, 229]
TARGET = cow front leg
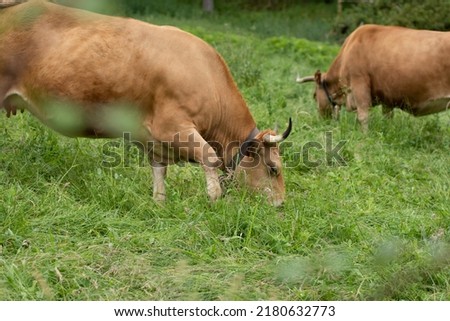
[363, 119]
[212, 183]
[336, 112]
[191, 145]
[207, 157]
[388, 112]
[360, 99]
[159, 187]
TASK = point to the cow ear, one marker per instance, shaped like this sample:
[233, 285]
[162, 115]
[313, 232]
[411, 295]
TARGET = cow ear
[318, 77]
[250, 147]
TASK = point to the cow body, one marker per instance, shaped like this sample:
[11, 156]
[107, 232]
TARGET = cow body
[89, 75]
[392, 66]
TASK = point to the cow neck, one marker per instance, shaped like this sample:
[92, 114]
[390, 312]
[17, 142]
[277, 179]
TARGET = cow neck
[236, 159]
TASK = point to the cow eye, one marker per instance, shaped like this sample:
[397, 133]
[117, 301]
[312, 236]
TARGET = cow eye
[274, 170]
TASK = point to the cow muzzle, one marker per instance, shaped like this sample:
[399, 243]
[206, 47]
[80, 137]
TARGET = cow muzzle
[274, 198]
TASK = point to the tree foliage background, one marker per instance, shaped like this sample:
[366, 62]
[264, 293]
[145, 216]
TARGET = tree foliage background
[417, 14]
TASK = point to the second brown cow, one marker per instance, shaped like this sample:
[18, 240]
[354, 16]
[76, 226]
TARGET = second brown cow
[392, 66]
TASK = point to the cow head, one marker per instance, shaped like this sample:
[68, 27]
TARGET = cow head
[328, 98]
[260, 168]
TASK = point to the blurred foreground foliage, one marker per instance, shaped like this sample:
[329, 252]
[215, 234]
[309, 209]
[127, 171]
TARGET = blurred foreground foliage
[417, 14]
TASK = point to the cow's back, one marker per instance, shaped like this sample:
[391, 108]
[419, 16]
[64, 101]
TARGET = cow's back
[96, 60]
[112, 57]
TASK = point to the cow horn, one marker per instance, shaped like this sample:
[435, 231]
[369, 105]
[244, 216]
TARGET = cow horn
[301, 80]
[279, 138]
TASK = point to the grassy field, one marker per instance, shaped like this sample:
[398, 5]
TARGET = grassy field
[374, 228]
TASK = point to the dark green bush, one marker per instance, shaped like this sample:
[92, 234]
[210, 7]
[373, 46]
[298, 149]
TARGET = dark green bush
[174, 7]
[418, 14]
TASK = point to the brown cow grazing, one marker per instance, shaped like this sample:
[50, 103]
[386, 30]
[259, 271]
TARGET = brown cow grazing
[392, 66]
[90, 75]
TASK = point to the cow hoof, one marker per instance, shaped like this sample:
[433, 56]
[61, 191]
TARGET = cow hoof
[159, 198]
[214, 191]
[277, 202]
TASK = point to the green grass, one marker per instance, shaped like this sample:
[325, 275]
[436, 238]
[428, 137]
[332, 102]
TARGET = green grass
[377, 228]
